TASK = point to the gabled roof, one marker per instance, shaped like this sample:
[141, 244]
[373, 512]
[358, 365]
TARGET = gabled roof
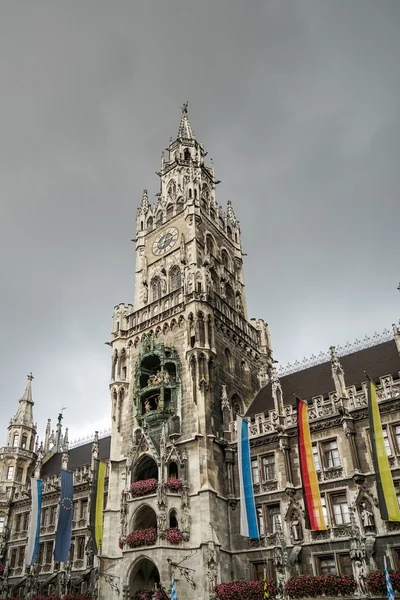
[379, 360]
[78, 457]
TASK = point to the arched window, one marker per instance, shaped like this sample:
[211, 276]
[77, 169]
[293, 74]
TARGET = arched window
[209, 244]
[214, 279]
[175, 278]
[156, 289]
[145, 469]
[187, 154]
[230, 298]
[225, 258]
[173, 470]
[150, 223]
[173, 521]
[236, 406]
[229, 231]
[228, 360]
[179, 205]
[190, 193]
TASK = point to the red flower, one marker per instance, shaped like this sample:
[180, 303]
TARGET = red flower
[174, 484]
[244, 590]
[174, 535]
[141, 537]
[142, 488]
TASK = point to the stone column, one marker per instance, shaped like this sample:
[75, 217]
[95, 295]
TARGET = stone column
[230, 459]
[285, 449]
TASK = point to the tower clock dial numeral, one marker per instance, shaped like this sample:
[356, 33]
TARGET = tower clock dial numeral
[165, 241]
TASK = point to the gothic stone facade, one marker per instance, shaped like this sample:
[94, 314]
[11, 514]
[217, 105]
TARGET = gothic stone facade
[183, 358]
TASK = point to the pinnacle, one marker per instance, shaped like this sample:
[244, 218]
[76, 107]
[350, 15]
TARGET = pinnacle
[185, 130]
[27, 396]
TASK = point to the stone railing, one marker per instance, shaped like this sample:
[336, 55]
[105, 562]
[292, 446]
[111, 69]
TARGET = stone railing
[320, 408]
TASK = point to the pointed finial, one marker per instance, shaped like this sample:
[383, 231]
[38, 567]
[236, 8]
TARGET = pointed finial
[30, 377]
[185, 130]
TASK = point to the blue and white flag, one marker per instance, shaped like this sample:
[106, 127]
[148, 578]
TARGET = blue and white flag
[389, 587]
[173, 590]
[32, 546]
[248, 517]
[64, 526]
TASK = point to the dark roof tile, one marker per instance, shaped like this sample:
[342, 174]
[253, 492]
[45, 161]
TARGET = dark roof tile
[382, 359]
[78, 457]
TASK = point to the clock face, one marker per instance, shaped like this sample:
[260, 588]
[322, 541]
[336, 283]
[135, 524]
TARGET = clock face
[165, 241]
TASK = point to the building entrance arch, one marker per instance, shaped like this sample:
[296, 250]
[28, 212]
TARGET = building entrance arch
[144, 576]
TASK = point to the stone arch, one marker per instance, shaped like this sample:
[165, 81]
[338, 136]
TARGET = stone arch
[225, 260]
[173, 469]
[171, 188]
[150, 223]
[158, 331]
[155, 286]
[237, 406]
[143, 575]
[229, 231]
[173, 325]
[210, 243]
[181, 322]
[173, 519]
[228, 360]
[165, 328]
[144, 517]
[145, 468]
[175, 278]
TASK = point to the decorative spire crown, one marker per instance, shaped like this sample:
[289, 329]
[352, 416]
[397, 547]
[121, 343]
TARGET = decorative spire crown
[185, 130]
[24, 414]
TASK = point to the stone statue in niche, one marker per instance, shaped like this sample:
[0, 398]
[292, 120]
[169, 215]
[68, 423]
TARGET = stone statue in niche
[162, 524]
[295, 529]
[367, 517]
[361, 577]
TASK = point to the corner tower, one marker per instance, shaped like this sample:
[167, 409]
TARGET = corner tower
[185, 361]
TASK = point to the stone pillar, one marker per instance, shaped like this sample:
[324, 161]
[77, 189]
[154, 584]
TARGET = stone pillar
[285, 449]
[349, 429]
[230, 459]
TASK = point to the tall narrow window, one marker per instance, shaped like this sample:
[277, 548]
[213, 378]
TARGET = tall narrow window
[255, 471]
[84, 509]
[274, 518]
[156, 289]
[268, 463]
[386, 441]
[340, 510]
[10, 473]
[49, 552]
[317, 464]
[175, 278]
[1, 524]
[15, 440]
[345, 567]
[24, 443]
[331, 454]
[13, 557]
[260, 520]
[19, 474]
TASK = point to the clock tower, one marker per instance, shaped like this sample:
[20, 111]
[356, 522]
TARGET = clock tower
[185, 361]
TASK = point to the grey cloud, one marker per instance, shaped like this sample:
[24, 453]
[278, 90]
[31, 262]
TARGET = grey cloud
[297, 102]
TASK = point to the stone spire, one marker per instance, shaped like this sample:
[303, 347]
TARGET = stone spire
[338, 374]
[47, 437]
[65, 450]
[24, 414]
[185, 130]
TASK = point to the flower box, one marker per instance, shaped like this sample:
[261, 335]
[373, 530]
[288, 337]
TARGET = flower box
[376, 582]
[315, 586]
[143, 488]
[244, 590]
[141, 537]
[174, 484]
[174, 535]
[150, 595]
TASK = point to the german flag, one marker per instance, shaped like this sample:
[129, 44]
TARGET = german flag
[96, 505]
[314, 516]
[387, 498]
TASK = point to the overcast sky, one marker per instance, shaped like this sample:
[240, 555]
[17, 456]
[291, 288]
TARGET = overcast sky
[296, 101]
